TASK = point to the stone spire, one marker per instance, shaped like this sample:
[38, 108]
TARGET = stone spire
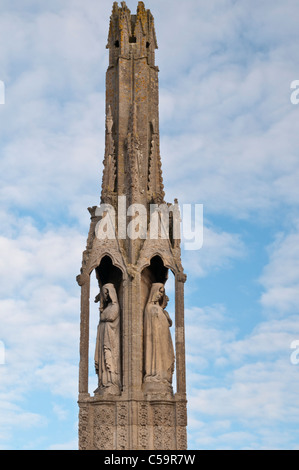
[132, 99]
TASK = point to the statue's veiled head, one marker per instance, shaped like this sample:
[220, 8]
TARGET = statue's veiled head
[157, 292]
[109, 292]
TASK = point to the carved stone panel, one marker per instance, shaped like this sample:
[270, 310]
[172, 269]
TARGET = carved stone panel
[83, 428]
[104, 427]
[122, 426]
[143, 426]
[164, 425]
[181, 424]
[181, 414]
[181, 438]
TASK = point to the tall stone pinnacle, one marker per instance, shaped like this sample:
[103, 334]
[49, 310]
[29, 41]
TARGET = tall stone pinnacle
[132, 98]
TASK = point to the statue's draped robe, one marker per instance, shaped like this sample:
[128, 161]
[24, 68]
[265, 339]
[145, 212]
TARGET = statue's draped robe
[158, 347]
[107, 353]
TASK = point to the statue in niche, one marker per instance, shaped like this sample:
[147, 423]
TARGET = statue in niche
[107, 353]
[159, 352]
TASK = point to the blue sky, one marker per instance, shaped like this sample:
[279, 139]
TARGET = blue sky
[229, 141]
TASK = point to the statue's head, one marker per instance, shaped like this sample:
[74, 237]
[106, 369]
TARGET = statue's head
[106, 294]
[109, 293]
[157, 292]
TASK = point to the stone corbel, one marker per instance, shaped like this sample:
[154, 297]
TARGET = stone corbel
[132, 271]
[82, 279]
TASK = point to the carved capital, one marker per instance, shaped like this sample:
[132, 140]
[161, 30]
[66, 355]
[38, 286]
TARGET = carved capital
[181, 277]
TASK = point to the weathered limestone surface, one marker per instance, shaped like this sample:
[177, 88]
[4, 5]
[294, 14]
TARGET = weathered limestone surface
[134, 406]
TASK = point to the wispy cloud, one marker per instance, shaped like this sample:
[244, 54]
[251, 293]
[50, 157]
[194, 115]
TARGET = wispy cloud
[280, 278]
[244, 383]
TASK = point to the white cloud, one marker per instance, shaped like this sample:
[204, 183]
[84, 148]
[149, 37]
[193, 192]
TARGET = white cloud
[70, 445]
[13, 416]
[219, 251]
[52, 139]
[227, 119]
[61, 378]
[246, 382]
[53, 256]
[39, 315]
[280, 278]
[259, 393]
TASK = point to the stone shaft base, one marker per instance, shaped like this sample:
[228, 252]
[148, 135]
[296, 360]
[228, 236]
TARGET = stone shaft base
[120, 424]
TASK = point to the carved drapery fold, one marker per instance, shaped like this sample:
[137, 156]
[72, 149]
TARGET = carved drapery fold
[107, 353]
[158, 347]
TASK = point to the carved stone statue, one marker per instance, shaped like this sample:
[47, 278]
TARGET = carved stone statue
[159, 353]
[107, 353]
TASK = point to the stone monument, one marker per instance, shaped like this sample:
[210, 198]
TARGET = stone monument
[133, 245]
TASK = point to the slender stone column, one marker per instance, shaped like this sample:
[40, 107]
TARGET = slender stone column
[84, 282]
[180, 279]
